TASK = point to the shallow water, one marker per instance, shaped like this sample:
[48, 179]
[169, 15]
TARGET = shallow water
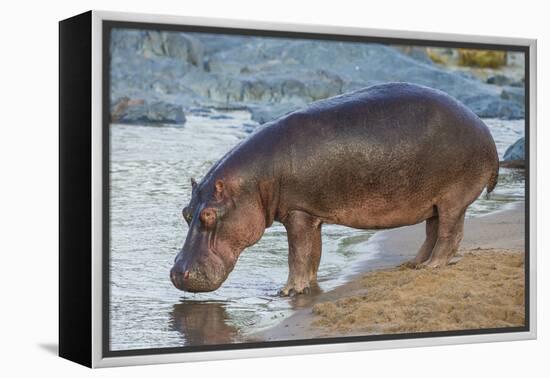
[151, 169]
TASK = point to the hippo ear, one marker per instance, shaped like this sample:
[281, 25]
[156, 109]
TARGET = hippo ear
[219, 186]
[193, 184]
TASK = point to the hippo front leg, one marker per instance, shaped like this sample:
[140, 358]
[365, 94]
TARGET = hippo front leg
[304, 252]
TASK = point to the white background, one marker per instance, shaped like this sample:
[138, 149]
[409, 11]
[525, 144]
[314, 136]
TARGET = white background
[29, 190]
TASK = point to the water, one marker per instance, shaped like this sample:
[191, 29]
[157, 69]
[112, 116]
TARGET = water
[511, 182]
[151, 169]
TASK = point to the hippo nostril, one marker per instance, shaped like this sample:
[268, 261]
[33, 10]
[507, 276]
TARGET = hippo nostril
[186, 275]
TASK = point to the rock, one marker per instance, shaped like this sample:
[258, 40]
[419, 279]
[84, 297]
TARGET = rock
[157, 44]
[120, 107]
[466, 75]
[249, 127]
[415, 52]
[174, 45]
[503, 80]
[126, 40]
[131, 111]
[489, 107]
[481, 58]
[334, 67]
[263, 114]
[514, 94]
[442, 55]
[518, 83]
[200, 111]
[516, 151]
[214, 43]
[499, 79]
[219, 116]
[271, 76]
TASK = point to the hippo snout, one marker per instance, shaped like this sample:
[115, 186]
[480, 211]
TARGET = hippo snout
[197, 278]
[178, 278]
[191, 280]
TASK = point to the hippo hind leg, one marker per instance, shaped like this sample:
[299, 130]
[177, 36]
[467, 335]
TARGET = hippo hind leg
[426, 249]
[304, 252]
[449, 236]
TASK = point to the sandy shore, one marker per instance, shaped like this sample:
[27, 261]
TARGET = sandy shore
[483, 288]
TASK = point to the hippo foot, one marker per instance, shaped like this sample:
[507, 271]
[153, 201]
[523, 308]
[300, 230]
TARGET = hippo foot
[293, 291]
[411, 264]
[434, 264]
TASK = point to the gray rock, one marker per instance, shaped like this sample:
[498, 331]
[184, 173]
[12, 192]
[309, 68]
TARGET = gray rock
[499, 79]
[126, 40]
[141, 112]
[266, 113]
[173, 45]
[503, 80]
[415, 52]
[271, 76]
[518, 83]
[293, 66]
[150, 44]
[200, 111]
[214, 43]
[516, 151]
[513, 93]
[491, 107]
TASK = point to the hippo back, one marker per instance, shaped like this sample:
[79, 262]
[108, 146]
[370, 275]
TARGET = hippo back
[396, 144]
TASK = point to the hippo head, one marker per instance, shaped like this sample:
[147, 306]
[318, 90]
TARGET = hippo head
[223, 220]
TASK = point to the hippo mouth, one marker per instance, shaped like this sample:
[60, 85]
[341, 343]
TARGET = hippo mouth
[193, 282]
[208, 276]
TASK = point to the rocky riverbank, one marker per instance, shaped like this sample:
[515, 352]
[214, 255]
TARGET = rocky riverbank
[158, 77]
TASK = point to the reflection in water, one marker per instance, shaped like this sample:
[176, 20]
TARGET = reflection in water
[202, 323]
[208, 322]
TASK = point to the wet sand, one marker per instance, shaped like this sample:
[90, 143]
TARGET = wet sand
[482, 288]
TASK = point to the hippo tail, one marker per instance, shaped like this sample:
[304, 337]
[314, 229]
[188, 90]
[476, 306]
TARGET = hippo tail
[493, 179]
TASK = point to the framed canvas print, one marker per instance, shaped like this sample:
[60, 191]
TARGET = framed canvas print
[232, 189]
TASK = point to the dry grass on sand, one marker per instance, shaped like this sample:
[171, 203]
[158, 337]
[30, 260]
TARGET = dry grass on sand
[484, 289]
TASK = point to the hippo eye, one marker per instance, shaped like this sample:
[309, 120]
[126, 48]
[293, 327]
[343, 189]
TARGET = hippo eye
[208, 217]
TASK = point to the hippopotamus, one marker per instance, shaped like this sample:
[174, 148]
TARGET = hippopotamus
[381, 157]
